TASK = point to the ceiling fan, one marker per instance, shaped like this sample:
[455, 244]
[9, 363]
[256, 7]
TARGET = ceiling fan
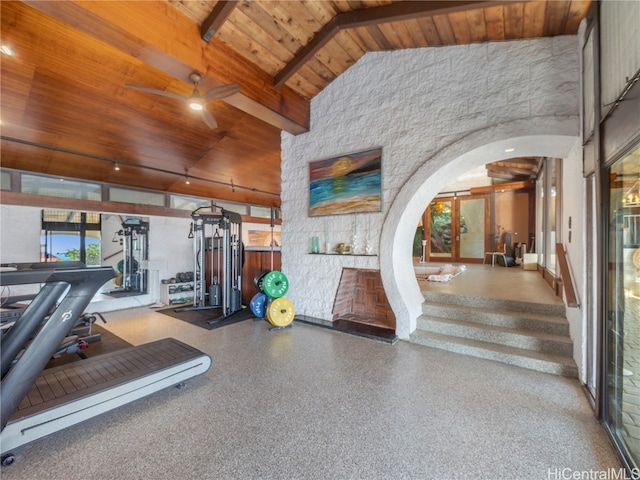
[197, 101]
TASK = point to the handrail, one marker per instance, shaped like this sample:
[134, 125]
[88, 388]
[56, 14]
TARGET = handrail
[567, 281]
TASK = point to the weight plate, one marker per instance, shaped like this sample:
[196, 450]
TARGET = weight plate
[258, 305]
[258, 279]
[275, 284]
[134, 266]
[280, 312]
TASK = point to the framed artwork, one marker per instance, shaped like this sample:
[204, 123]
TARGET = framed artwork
[346, 184]
[262, 238]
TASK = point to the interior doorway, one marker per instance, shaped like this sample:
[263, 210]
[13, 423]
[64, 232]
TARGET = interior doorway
[456, 229]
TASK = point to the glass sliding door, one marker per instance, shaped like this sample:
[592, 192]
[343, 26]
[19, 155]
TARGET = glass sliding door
[623, 306]
[551, 213]
[441, 234]
[456, 229]
[473, 227]
[591, 302]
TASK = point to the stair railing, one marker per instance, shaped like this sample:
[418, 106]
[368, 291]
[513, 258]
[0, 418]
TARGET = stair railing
[565, 273]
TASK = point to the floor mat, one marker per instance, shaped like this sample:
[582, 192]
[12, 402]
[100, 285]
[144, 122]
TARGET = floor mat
[201, 317]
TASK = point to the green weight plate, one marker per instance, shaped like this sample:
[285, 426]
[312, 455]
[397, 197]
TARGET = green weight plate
[275, 284]
[280, 312]
[134, 266]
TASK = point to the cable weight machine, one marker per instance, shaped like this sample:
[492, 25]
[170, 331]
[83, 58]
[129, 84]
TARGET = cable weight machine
[219, 233]
[132, 267]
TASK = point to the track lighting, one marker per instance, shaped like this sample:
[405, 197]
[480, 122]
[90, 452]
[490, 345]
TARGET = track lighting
[116, 166]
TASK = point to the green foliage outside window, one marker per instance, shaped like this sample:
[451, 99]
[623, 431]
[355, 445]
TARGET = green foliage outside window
[92, 254]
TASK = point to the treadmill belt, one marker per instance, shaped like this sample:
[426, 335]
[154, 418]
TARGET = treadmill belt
[65, 383]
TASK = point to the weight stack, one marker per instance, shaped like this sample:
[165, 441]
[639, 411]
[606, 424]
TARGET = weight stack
[215, 295]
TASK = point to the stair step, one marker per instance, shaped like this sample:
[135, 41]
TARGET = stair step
[528, 340]
[553, 324]
[530, 359]
[494, 303]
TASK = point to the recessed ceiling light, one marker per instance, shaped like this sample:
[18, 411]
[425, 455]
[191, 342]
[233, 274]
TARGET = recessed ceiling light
[509, 150]
[6, 50]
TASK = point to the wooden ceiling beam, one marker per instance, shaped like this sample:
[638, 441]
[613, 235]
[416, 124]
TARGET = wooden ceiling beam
[526, 172]
[507, 176]
[535, 161]
[158, 35]
[517, 185]
[367, 17]
[216, 18]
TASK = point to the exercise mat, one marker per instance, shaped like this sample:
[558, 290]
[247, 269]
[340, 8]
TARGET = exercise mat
[202, 317]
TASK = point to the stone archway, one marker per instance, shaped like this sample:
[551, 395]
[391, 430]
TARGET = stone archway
[540, 136]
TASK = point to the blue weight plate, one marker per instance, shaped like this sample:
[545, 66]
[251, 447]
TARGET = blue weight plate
[258, 305]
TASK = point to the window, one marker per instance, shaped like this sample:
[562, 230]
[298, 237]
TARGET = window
[70, 236]
[623, 304]
[60, 187]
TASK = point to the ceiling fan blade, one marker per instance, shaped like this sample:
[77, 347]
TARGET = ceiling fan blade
[221, 92]
[157, 92]
[209, 120]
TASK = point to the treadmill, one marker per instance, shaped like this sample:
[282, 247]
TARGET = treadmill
[35, 402]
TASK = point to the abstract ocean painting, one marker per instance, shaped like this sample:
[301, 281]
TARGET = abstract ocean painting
[346, 184]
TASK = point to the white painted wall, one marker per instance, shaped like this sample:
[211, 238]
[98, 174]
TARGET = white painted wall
[170, 251]
[437, 113]
[573, 206]
[20, 234]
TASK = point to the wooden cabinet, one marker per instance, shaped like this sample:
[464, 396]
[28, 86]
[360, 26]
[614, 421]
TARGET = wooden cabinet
[254, 263]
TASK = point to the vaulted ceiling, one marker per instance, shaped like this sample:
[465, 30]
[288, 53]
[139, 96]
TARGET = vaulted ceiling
[68, 109]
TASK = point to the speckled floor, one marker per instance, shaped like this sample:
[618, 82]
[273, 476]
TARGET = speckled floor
[512, 283]
[311, 403]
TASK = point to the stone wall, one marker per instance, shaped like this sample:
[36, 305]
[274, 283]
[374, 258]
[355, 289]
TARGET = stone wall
[414, 104]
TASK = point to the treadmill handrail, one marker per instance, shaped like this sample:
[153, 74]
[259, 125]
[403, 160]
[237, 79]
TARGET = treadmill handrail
[84, 283]
[32, 317]
[44, 275]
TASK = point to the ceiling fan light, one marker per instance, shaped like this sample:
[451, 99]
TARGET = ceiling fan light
[195, 105]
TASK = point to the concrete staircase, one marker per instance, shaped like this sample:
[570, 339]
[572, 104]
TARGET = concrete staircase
[529, 335]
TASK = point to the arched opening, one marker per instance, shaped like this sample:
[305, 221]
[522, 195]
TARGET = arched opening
[542, 136]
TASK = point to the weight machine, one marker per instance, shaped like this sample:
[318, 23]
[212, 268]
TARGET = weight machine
[224, 244]
[132, 267]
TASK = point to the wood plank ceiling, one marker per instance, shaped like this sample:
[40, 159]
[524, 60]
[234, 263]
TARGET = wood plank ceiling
[66, 109]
